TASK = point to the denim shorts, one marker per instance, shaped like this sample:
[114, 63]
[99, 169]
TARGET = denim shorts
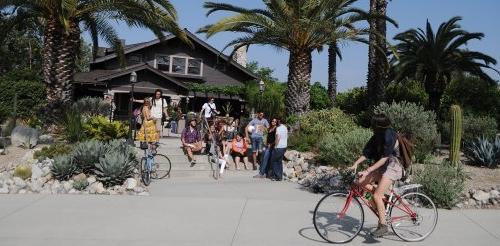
[257, 144]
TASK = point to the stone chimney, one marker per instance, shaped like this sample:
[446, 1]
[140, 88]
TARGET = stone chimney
[122, 41]
[240, 56]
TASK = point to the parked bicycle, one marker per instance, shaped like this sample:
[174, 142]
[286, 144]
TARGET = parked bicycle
[153, 165]
[213, 152]
[339, 216]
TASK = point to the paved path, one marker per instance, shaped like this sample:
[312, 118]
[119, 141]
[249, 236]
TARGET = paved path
[197, 210]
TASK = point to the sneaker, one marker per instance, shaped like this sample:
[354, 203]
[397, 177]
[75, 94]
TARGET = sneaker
[258, 176]
[380, 231]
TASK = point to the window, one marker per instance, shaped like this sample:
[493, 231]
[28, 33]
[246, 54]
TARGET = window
[179, 65]
[194, 66]
[163, 63]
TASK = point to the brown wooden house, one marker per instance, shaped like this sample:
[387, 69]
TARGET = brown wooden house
[167, 64]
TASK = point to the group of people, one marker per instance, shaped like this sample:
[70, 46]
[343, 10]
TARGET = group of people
[152, 114]
[262, 143]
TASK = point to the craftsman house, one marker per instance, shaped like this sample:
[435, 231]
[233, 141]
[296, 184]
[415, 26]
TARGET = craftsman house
[167, 64]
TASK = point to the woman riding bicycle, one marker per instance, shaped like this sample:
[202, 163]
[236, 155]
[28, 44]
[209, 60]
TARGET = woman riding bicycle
[382, 148]
[148, 132]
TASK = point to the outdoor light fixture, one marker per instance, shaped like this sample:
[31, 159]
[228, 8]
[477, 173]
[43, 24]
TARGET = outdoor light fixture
[262, 86]
[132, 123]
[133, 78]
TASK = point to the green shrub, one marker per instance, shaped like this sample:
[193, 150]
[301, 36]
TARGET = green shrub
[114, 169]
[319, 97]
[80, 184]
[63, 167]
[353, 101]
[483, 152]
[443, 183]
[473, 127]
[342, 149]
[413, 119]
[99, 128]
[73, 126]
[23, 172]
[86, 154]
[272, 100]
[409, 91]
[302, 142]
[92, 106]
[31, 96]
[52, 151]
[325, 121]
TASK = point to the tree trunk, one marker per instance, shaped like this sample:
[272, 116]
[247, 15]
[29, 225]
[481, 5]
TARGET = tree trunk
[299, 77]
[332, 72]
[59, 59]
[377, 55]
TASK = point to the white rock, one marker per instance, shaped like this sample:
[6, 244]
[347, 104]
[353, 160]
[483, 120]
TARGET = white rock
[4, 190]
[305, 166]
[289, 172]
[138, 189]
[45, 171]
[291, 155]
[494, 194]
[67, 186]
[35, 185]
[112, 192]
[294, 180]
[298, 169]
[19, 182]
[72, 191]
[36, 172]
[22, 191]
[96, 188]
[45, 139]
[130, 183]
[145, 193]
[91, 180]
[24, 136]
[481, 196]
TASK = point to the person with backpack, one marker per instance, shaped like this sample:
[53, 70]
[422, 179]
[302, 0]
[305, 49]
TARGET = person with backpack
[209, 110]
[384, 149]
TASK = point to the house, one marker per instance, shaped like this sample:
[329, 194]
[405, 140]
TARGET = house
[167, 64]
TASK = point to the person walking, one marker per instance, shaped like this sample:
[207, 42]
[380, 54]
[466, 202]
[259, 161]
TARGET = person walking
[258, 126]
[191, 141]
[209, 111]
[270, 143]
[159, 108]
[281, 143]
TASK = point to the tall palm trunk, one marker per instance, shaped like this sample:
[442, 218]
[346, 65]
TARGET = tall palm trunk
[59, 57]
[377, 58]
[332, 72]
[299, 77]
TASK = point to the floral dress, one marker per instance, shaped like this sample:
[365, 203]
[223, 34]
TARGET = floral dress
[148, 132]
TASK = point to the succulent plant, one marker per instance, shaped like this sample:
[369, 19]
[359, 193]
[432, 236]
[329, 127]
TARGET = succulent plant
[123, 148]
[86, 154]
[114, 168]
[456, 134]
[23, 172]
[63, 167]
[483, 152]
[80, 184]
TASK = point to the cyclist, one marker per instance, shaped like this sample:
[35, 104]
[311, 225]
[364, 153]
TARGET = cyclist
[382, 148]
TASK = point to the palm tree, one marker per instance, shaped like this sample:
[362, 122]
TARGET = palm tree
[297, 26]
[377, 53]
[64, 20]
[432, 57]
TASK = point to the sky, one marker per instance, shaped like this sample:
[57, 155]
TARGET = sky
[478, 16]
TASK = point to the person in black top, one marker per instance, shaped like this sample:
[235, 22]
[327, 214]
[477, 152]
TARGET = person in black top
[271, 139]
[383, 149]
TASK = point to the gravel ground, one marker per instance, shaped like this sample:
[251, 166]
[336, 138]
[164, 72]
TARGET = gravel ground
[481, 177]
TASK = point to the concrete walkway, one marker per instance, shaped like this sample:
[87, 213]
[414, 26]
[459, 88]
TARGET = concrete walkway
[197, 210]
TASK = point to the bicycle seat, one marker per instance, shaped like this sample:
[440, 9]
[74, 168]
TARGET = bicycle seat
[405, 188]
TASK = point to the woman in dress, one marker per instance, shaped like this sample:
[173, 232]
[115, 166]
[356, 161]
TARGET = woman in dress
[148, 132]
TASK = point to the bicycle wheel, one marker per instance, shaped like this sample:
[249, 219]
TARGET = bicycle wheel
[145, 172]
[413, 217]
[161, 167]
[335, 225]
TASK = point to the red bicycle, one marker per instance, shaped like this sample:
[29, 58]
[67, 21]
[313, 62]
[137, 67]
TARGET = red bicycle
[339, 216]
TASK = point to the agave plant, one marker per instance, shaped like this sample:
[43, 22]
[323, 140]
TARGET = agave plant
[122, 148]
[86, 154]
[92, 106]
[63, 167]
[114, 169]
[483, 152]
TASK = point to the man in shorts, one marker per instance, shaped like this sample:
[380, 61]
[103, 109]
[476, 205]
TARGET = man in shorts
[258, 126]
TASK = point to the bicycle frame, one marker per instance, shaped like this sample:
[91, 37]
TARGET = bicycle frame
[357, 191]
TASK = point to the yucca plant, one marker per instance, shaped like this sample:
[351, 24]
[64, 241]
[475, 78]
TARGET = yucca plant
[86, 154]
[73, 126]
[483, 152]
[114, 168]
[63, 167]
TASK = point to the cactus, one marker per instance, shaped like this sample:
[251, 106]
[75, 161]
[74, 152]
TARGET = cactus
[456, 134]
[23, 172]
[86, 154]
[63, 167]
[114, 169]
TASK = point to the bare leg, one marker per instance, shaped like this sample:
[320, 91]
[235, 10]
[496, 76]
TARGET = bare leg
[245, 161]
[236, 162]
[189, 153]
[254, 159]
[378, 197]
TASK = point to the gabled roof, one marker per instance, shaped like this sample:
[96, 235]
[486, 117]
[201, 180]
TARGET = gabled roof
[139, 46]
[100, 76]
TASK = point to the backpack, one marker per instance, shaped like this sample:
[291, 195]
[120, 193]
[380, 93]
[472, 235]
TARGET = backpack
[406, 148]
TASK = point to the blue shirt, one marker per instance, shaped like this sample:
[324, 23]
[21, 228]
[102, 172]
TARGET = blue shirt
[381, 145]
[260, 126]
